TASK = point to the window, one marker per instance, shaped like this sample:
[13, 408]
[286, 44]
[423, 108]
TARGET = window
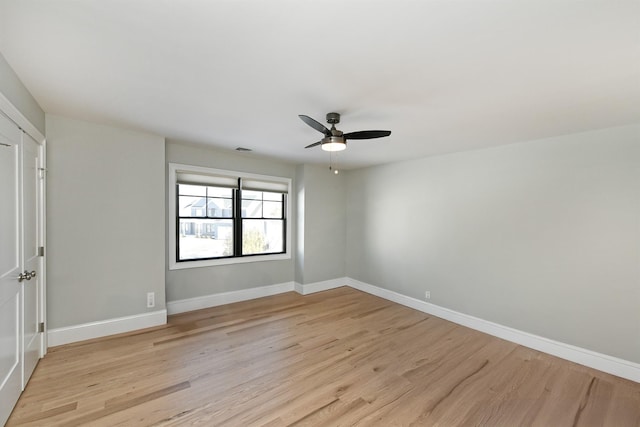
[223, 217]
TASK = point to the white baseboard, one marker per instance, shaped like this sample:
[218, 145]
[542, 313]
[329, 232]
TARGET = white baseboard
[197, 303]
[311, 288]
[86, 331]
[602, 362]
[612, 365]
[214, 300]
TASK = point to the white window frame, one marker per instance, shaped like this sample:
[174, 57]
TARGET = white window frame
[174, 170]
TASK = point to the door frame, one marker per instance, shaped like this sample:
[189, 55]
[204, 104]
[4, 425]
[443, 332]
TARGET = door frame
[44, 342]
[11, 112]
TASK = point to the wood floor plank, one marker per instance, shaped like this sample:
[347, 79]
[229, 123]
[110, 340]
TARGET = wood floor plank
[334, 358]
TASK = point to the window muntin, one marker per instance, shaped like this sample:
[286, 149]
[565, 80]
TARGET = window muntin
[203, 232]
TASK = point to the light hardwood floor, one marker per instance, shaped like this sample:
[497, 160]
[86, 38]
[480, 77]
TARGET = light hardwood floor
[335, 358]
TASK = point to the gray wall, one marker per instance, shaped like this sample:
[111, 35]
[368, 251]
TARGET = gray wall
[105, 222]
[542, 236]
[13, 89]
[299, 222]
[194, 282]
[321, 225]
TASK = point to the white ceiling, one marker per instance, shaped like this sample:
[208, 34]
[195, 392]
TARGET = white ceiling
[444, 76]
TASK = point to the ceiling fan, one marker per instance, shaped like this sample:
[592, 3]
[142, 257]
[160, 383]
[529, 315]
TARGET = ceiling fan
[335, 140]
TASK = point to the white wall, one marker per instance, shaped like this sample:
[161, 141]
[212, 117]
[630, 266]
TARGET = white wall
[105, 222]
[203, 281]
[542, 236]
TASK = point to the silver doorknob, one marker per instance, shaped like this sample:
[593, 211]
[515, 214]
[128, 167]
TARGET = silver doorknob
[26, 275]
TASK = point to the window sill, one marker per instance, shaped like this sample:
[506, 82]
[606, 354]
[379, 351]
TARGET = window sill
[227, 261]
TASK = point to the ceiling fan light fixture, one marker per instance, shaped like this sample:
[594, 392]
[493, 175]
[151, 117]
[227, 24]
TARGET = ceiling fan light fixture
[333, 143]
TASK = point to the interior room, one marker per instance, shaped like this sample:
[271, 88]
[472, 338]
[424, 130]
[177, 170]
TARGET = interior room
[319, 213]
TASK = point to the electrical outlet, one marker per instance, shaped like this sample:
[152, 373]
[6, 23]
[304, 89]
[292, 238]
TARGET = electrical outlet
[427, 295]
[151, 299]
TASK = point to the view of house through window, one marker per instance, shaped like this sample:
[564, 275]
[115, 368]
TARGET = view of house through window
[220, 222]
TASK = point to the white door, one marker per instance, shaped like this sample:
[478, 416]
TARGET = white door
[31, 185]
[21, 281]
[10, 268]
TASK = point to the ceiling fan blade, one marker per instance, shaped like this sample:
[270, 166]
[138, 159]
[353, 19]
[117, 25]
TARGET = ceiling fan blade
[314, 144]
[316, 125]
[367, 134]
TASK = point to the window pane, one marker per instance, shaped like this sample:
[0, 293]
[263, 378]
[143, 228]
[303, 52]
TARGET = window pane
[205, 238]
[251, 195]
[261, 236]
[272, 209]
[191, 206]
[251, 208]
[220, 208]
[192, 190]
[220, 192]
[276, 197]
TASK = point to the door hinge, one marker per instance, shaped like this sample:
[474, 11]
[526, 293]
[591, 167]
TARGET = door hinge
[41, 327]
[41, 251]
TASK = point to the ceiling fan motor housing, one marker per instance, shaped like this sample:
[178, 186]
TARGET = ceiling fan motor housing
[333, 118]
